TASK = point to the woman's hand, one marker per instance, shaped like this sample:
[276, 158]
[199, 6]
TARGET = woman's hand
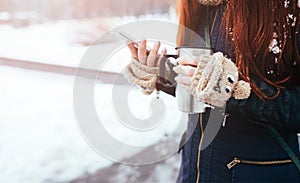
[150, 59]
[143, 70]
[185, 69]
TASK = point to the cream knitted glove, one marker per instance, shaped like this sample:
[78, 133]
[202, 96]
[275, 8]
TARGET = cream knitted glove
[216, 80]
[142, 75]
[211, 2]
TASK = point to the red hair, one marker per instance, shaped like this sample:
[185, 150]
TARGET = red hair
[250, 27]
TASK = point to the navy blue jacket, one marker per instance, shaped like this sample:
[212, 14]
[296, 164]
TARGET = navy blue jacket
[243, 139]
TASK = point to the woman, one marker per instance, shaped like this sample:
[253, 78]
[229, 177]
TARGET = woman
[261, 37]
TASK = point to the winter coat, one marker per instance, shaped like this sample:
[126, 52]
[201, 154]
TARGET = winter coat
[242, 138]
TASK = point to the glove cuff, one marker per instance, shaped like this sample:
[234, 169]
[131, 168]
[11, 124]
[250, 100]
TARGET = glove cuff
[203, 60]
[142, 75]
[145, 68]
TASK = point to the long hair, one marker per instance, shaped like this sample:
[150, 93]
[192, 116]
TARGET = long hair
[189, 12]
[251, 26]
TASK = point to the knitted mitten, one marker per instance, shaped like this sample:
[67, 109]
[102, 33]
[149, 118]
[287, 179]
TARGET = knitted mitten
[142, 75]
[216, 80]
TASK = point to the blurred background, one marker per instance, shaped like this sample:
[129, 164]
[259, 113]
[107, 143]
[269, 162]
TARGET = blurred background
[41, 44]
[100, 14]
[34, 11]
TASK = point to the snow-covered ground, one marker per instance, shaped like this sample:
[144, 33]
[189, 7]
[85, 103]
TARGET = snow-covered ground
[45, 43]
[40, 141]
[39, 138]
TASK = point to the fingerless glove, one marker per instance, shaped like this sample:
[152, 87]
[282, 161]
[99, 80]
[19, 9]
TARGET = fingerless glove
[142, 75]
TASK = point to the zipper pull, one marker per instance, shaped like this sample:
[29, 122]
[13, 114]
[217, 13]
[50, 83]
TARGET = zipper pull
[233, 163]
[224, 120]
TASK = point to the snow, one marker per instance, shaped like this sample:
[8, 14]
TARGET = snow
[43, 43]
[139, 106]
[57, 42]
[165, 172]
[40, 141]
[39, 137]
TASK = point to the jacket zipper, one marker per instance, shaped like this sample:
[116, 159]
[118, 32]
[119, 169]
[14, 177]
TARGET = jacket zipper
[199, 148]
[236, 161]
[200, 143]
[200, 117]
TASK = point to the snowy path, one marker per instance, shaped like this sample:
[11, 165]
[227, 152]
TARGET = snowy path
[39, 138]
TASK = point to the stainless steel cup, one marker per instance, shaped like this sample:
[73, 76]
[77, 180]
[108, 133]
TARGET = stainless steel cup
[186, 102]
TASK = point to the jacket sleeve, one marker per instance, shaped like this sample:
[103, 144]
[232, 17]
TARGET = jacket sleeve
[282, 112]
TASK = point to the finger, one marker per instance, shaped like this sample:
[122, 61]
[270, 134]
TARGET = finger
[184, 80]
[153, 55]
[142, 55]
[133, 50]
[163, 52]
[185, 70]
[187, 60]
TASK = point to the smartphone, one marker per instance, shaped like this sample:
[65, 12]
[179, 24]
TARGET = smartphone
[126, 36]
